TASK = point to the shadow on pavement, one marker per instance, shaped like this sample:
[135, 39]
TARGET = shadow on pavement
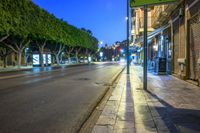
[177, 119]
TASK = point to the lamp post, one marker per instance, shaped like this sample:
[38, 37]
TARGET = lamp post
[145, 46]
[127, 51]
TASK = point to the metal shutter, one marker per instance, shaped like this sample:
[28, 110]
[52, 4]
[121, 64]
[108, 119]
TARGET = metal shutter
[176, 47]
[194, 41]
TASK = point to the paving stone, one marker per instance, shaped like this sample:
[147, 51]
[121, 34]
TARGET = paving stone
[125, 116]
[113, 103]
[126, 104]
[106, 120]
[114, 98]
[124, 124]
[127, 109]
[124, 130]
[109, 111]
[102, 129]
[141, 128]
[141, 108]
[128, 100]
[162, 124]
[189, 128]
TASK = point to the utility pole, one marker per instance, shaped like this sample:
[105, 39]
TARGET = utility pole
[127, 49]
[145, 47]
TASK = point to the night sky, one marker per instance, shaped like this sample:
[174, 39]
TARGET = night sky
[105, 18]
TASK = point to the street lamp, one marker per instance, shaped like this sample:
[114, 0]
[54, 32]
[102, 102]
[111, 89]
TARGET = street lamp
[155, 47]
[127, 50]
[101, 55]
[101, 43]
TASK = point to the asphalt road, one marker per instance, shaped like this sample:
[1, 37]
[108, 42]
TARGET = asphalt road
[55, 101]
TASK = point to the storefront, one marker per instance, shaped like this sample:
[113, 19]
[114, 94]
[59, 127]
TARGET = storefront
[160, 50]
[194, 41]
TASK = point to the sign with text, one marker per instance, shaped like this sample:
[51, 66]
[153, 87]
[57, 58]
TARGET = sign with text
[139, 3]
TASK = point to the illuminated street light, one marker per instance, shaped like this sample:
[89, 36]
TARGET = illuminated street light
[155, 47]
[90, 59]
[101, 54]
[101, 42]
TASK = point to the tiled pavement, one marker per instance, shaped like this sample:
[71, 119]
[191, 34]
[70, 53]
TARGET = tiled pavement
[169, 105]
[117, 115]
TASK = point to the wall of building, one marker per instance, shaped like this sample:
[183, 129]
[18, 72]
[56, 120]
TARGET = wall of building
[181, 37]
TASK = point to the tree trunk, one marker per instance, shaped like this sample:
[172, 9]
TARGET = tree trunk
[77, 59]
[41, 49]
[69, 51]
[18, 49]
[41, 58]
[86, 55]
[5, 62]
[68, 56]
[61, 58]
[19, 59]
[26, 60]
[77, 53]
[57, 59]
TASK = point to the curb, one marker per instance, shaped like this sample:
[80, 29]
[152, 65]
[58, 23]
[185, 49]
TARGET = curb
[56, 66]
[89, 123]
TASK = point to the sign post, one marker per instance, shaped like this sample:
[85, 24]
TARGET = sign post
[145, 4]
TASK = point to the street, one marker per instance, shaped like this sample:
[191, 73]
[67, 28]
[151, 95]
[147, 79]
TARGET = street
[54, 101]
[129, 66]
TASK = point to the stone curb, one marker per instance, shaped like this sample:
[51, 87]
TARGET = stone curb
[90, 120]
[20, 75]
[56, 66]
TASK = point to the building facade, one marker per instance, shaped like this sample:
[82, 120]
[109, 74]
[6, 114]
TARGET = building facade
[176, 38]
[138, 30]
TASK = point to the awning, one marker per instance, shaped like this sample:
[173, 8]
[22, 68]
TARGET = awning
[154, 33]
[157, 31]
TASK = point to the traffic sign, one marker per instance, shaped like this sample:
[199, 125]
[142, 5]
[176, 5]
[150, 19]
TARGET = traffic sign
[139, 3]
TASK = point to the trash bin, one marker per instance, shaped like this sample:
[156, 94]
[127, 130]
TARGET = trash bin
[160, 65]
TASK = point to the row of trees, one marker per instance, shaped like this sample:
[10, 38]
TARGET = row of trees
[24, 24]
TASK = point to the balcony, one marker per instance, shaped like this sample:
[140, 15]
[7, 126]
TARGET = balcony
[161, 15]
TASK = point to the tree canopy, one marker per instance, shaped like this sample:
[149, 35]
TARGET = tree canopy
[25, 20]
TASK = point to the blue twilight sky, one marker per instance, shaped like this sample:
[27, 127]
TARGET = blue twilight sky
[105, 18]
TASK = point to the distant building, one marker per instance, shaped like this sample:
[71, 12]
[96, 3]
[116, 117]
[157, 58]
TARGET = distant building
[113, 52]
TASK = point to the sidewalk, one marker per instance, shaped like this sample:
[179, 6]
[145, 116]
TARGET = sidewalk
[23, 68]
[118, 113]
[169, 106]
[14, 68]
